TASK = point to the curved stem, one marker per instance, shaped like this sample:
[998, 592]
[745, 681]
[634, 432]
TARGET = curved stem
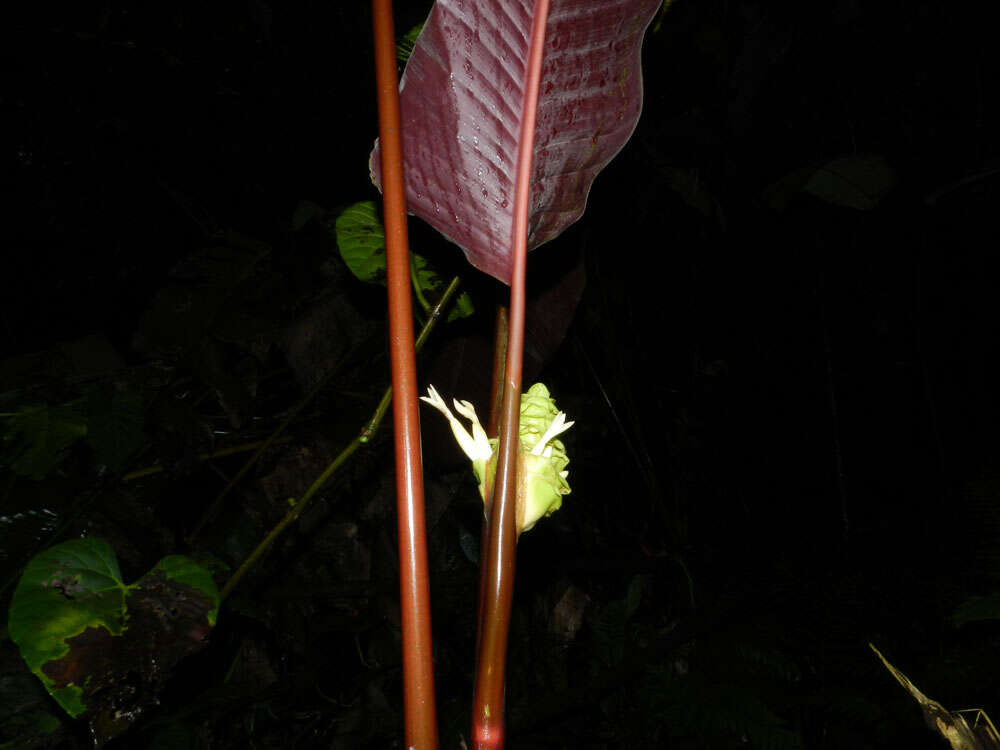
[415, 280]
[366, 434]
[498, 593]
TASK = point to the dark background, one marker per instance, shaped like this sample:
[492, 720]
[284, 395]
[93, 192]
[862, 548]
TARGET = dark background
[783, 377]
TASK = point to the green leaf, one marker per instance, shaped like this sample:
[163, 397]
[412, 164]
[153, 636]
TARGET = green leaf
[114, 426]
[64, 591]
[858, 181]
[99, 646]
[430, 286]
[184, 570]
[404, 47]
[36, 437]
[361, 240]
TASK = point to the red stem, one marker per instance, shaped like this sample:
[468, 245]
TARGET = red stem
[499, 362]
[488, 699]
[414, 593]
[496, 402]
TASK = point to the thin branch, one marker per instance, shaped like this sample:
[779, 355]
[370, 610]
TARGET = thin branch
[364, 436]
[257, 446]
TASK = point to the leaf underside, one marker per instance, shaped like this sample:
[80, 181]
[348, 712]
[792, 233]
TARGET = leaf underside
[461, 100]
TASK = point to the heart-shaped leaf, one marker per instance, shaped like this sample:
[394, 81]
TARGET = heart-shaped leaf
[361, 240]
[461, 102]
[101, 647]
[36, 437]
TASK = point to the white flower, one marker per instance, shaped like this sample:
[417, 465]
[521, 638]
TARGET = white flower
[558, 427]
[476, 445]
[542, 457]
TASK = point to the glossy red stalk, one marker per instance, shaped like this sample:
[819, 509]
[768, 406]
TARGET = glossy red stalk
[498, 592]
[496, 402]
[414, 592]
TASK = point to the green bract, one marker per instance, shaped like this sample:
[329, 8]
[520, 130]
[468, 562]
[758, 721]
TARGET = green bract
[541, 460]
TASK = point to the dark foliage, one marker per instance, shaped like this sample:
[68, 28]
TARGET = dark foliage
[783, 370]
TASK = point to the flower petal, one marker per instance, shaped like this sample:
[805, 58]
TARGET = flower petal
[466, 442]
[558, 426]
[482, 443]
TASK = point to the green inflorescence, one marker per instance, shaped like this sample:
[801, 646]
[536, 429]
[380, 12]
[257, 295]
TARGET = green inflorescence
[542, 461]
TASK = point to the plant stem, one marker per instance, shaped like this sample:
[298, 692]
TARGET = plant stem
[500, 333]
[414, 594]
[257, 446]
[497, 595]
[292, 515]
[417, 291]
[216, 505]
[364, 436]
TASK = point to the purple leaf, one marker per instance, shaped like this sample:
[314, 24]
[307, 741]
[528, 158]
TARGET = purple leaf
[461, 100]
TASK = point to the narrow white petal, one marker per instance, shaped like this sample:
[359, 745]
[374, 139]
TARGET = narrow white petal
[434, 399]
[559, 425]
[465, 440]
[467, 410]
